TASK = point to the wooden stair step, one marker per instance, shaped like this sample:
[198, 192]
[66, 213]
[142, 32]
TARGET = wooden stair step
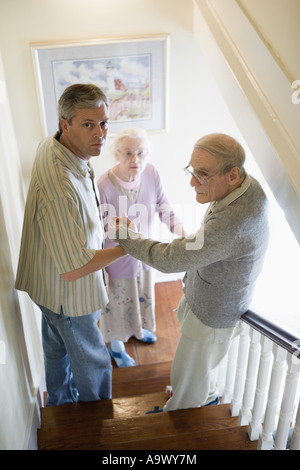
[84, 413]
[140, 380]
[182, 429]
[235, 438]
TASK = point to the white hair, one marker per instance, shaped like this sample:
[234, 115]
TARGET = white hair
[224, 147]
[131, 133]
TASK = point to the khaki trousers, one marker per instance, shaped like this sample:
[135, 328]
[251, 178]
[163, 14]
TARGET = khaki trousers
[199, 351]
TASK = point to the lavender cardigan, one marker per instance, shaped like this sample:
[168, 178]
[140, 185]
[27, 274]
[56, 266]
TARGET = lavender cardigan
[151, 199]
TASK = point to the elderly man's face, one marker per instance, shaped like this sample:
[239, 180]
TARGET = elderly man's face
[207, 167]
[86, 134]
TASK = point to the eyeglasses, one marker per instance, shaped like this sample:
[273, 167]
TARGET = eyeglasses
[130, 153]
[200, 179]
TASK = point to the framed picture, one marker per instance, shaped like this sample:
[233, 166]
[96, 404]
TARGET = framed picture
[132, 71]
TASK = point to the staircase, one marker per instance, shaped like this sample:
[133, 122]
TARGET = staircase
[122, 423]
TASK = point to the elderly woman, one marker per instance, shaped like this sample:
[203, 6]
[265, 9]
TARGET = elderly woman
[132, 186]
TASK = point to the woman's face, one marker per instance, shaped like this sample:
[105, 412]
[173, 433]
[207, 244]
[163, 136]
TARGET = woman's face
[131, 155]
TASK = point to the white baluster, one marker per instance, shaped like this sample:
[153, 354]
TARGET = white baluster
[263, 378]
[241, 366]
[295, 442]
[230, 371]
[288, 402]
[251, 374]
[266, 441]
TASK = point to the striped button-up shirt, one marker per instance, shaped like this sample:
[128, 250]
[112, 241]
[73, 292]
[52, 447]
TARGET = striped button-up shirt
[61, 232]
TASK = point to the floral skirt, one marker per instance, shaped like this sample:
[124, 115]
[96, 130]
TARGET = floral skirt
[131, 307]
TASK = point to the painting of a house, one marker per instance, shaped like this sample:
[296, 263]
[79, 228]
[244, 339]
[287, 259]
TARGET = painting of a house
[126, 80]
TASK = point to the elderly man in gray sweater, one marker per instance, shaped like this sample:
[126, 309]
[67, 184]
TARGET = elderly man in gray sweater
[222, 261]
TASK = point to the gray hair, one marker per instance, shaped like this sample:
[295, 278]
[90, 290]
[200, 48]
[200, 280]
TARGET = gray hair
[132, 133]
[224, 148]
[79, 96]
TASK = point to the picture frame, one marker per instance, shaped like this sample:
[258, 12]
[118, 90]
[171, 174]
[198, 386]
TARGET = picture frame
[132, 71]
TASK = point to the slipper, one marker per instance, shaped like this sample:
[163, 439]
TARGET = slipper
[148, 337]
[156, 409]
[122, 359]
[214, 402]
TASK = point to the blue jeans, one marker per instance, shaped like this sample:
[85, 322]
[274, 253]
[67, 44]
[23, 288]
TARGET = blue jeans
[77, 363]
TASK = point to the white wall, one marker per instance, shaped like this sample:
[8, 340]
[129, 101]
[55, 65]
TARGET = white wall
[33, 21]
[20, 355]
[239, 39]
[257, 86]
[277, 23]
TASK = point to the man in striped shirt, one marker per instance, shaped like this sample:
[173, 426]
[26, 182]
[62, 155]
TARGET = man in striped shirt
[61, 255]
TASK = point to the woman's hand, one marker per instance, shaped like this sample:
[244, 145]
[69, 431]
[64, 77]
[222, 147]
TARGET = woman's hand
[128, 222]
[116, 223]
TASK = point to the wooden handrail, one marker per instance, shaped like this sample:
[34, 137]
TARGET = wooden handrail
[289, 340]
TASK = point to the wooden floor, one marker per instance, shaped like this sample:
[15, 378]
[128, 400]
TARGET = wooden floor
[167, 297]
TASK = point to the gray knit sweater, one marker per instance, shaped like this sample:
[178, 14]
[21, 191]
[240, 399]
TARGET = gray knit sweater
[222, 262]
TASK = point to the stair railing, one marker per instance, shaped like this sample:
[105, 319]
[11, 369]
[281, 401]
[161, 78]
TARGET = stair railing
[260, 378]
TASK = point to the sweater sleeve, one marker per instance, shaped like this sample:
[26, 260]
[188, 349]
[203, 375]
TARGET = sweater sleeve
[210, 244]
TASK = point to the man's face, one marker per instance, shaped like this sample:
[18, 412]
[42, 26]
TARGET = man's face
[86, 135]
[206, 166]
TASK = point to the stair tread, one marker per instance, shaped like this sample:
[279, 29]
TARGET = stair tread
[121, 374]
[116, 408]
[141, 379]
[162, 430]
[233, 438]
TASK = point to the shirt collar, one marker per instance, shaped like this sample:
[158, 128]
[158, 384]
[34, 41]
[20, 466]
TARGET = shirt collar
[71, 160]
[235, 194]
